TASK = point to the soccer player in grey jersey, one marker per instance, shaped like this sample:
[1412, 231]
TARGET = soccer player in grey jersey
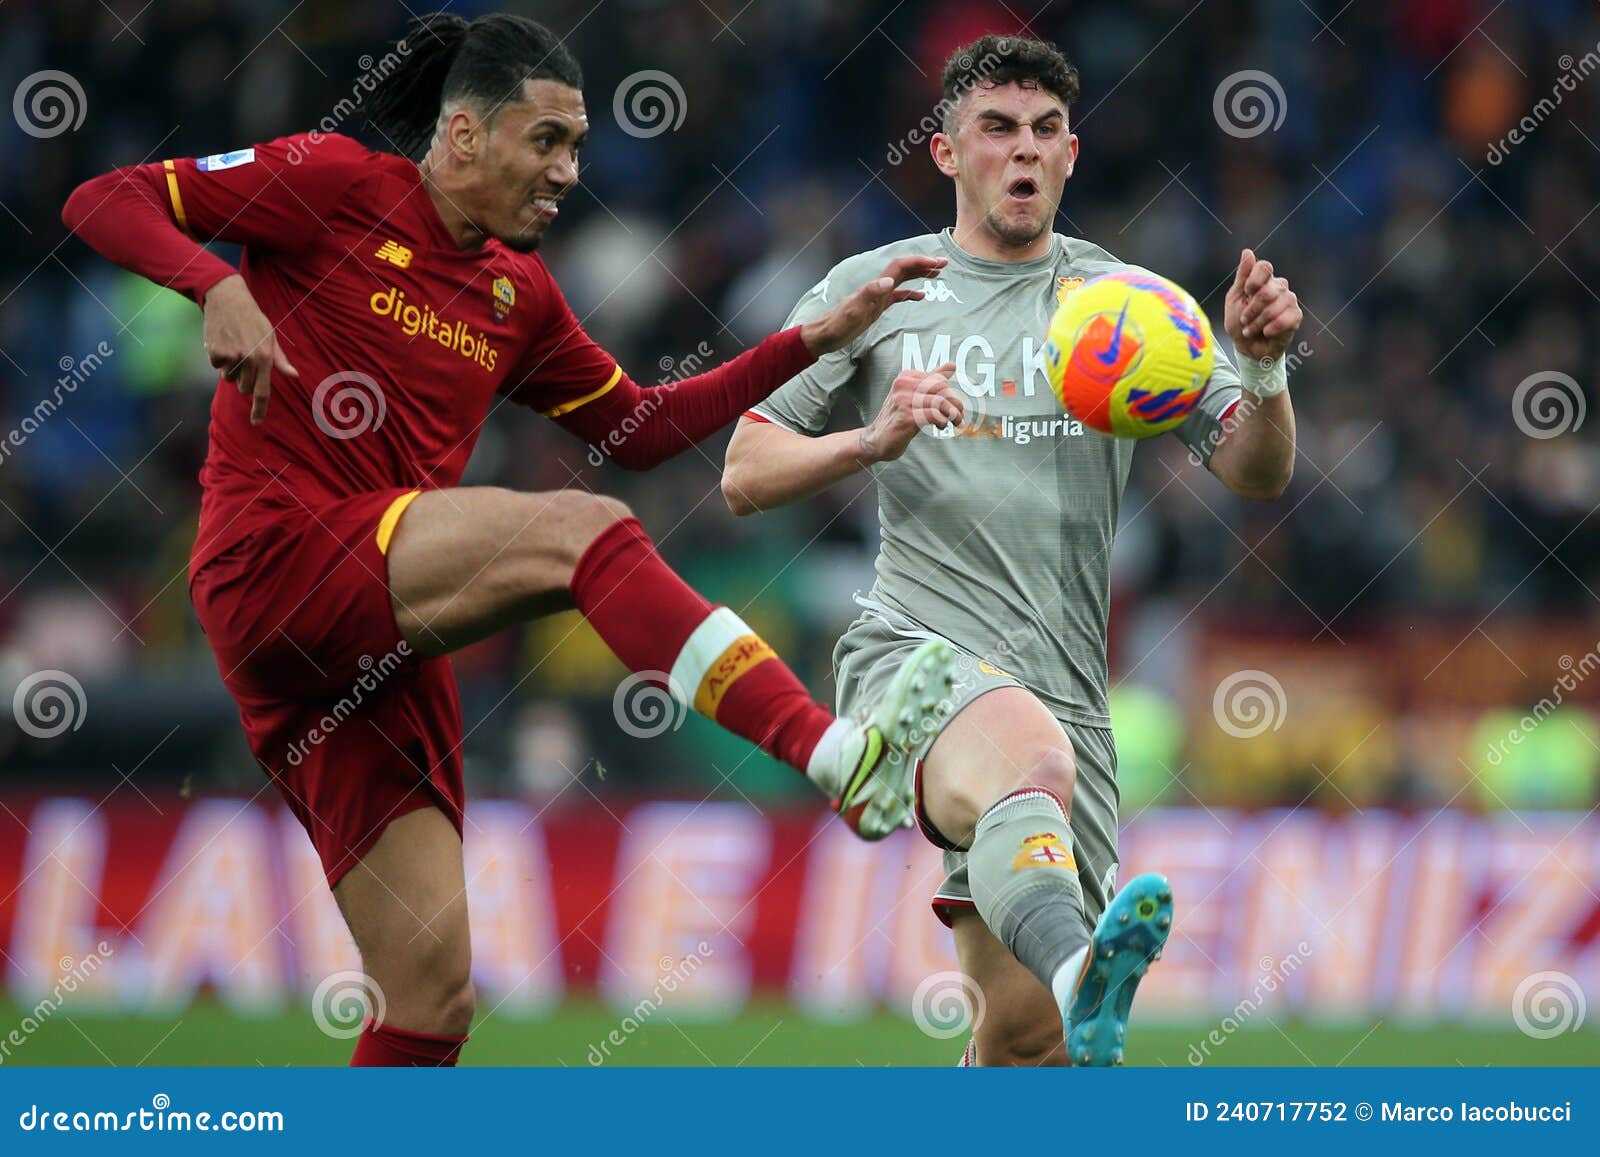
[998, 514]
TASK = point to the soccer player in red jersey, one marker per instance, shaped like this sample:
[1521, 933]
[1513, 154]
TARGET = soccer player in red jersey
[381, 307]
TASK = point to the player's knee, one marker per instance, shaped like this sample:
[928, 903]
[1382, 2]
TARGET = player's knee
[584, 517]
[449, 1000]
[1055, 770]
[1035, 1044]
[556, 528]
[1051, 768]
[457, 1006]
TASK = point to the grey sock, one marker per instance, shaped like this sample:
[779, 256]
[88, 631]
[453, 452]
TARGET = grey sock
[1024, 880]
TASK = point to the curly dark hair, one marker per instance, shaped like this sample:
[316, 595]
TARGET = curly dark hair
[995, 60]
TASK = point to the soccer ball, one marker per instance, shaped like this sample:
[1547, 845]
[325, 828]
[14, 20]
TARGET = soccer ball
[1129, 354]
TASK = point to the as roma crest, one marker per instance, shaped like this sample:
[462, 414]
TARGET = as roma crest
[505, 296]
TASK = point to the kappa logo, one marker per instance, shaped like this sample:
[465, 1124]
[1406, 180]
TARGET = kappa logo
[395, 254]
[936, 290]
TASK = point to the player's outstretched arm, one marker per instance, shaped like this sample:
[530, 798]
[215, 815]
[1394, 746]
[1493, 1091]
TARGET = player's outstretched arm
[1255, 458]
[768, 465]
[641, 427]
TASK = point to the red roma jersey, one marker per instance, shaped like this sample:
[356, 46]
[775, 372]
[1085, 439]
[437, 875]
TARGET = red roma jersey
[402, 340]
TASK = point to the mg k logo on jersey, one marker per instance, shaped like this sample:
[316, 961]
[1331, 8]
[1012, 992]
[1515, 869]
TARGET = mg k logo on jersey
[936, 290]
[982, 373]
[979, 370]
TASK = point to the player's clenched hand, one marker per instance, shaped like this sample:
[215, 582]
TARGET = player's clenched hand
[1261, 313]
[240, 343]
[848, 320]
[916, 399]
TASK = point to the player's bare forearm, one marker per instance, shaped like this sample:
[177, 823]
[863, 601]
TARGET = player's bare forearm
[1255, 458]
[769, 466]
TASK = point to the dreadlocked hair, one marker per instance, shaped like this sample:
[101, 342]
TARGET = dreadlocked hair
[445, 57]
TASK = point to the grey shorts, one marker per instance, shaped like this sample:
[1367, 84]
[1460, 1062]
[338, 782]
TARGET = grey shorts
[864, 662]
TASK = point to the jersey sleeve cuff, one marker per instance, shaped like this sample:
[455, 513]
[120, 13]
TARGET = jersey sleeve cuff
[756, 414]
[584, 400]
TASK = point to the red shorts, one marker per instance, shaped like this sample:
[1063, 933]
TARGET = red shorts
[353, 728]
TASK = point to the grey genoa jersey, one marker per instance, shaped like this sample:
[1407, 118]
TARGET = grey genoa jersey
[996, 536]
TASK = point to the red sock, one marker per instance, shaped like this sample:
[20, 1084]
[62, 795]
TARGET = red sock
[659, 627]
[384, 1046]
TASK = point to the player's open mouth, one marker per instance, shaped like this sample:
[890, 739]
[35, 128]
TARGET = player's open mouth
[545, 207]
[1023, 190]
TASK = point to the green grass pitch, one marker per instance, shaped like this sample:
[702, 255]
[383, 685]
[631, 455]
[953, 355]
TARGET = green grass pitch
[767, 1033]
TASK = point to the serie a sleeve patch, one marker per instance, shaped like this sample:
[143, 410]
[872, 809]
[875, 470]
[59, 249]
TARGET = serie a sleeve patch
[216, 162]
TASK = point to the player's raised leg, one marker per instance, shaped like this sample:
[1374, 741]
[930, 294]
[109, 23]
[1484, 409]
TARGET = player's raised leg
[406, 905]
[466, 563]
[1000, 781]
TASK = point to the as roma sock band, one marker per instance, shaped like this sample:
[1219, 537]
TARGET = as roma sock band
[383, 1046]
[706, 657]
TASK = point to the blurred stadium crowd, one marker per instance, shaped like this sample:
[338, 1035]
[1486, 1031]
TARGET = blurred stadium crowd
[1410, 597]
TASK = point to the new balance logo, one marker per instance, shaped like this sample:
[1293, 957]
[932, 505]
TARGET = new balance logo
[395, 254]
[936, 290]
